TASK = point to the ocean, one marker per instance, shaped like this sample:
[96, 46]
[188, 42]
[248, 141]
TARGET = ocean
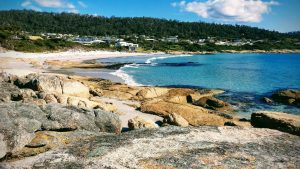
[244, 77]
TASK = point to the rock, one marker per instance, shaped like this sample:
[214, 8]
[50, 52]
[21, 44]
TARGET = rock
[49, 98]
[139, 123]
[44, 83]
[177, 120]
[277, 120]
[266, 100]
[170, 147]
[289, 96]
[195, 115]
[212, 103]
[74, 88]
[63, 119]
[27, 93]
[152, 92]
[107, 122]
[195, 96]
[3, 146]
[9, 92]
[18, 122]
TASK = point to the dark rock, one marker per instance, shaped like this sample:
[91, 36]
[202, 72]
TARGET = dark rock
[276, 120]
[266, 100]
[289, 96]
[229, 123]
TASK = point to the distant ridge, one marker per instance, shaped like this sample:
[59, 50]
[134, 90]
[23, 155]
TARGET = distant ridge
[38, 22]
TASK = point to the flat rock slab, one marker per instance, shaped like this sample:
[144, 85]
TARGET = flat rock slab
[174, 147]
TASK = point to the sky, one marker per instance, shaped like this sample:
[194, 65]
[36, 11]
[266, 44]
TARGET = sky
[278, 15]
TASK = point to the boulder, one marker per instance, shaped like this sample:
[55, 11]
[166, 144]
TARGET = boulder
[18, 122]
[277, 120]
[212, 103]
[140, 123]
[9, 92]
[27, 93]
[74, 88]
[177, 120]
[50, 98]
[107, 122]
[61, 118]
[195, 115]
[45, 83]
[195, 96]
[289, 96]
[151, 92]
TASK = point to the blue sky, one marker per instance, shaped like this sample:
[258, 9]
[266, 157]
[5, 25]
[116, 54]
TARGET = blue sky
[279, 15]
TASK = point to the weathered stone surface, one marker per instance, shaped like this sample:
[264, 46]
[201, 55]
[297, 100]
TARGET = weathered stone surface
[195, 115]
[9, 92]
[107, 122]
[18, 124]
[27, 93]
[289, 96]
[50, 98]
[152, 92]
[171, 147]
[177, 120]
[140, 123]
[3, 146]
[212, 103]
[74, 88]
[277, 120]
[45, 83]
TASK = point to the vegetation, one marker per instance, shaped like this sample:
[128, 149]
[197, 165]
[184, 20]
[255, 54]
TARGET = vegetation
[38, 22]
[15, 23]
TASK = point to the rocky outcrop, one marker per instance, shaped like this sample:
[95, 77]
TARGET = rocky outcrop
[177, 120]
[195, 115]
[289, 96]
[74, 88]
[276, 120]
[212, 103]
[168, 147]
[152, 92]
[140, 123]
[19, 122]
[9, 92]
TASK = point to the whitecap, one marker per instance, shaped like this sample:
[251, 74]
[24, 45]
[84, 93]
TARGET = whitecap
[150, 60]
[126, 77]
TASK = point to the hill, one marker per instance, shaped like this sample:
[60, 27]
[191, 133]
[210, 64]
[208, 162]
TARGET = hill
[38, 22]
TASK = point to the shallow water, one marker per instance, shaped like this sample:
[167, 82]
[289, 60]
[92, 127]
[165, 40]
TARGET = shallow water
[245, 77]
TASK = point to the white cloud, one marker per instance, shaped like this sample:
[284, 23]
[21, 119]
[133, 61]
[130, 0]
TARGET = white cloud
[229, 10]
[26, 4]
[59, 4]
[82, 4]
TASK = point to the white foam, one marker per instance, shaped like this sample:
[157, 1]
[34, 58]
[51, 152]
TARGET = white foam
[150, 60]
[127, 78]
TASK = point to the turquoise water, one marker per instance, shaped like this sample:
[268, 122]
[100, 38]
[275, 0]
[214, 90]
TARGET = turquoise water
[245, 77]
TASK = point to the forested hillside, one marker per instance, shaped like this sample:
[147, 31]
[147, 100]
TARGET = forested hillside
[38, 22]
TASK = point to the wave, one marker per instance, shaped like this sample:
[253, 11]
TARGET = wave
[126, 77]
[150, 60]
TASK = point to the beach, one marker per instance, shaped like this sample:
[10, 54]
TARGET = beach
[63, 110]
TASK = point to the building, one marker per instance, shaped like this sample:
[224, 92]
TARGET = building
[173, 39]
[35, 38]
[131, 46]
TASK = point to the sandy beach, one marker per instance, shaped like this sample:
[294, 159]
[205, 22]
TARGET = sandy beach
[71, 55]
